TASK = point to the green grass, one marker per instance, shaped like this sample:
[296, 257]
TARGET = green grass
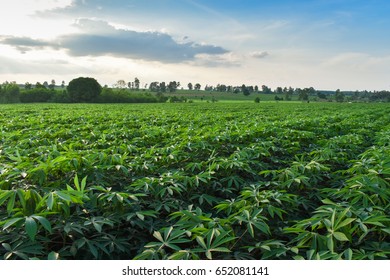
[224, 96]
[225, 180]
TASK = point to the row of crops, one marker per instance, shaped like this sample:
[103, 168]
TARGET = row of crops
[195, 181]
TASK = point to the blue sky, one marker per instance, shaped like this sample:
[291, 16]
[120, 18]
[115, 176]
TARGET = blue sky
[325, 44]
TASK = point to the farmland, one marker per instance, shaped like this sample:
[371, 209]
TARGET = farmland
[195, 181]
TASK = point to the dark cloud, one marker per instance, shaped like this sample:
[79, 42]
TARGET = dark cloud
[25, 44]
[98, 38]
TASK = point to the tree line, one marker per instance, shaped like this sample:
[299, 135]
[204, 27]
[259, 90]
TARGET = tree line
[79, 90]
[89, 90]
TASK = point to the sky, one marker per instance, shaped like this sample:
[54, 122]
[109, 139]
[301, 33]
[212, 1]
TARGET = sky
[325, 44]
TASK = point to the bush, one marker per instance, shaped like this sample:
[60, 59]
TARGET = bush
[84, 90]
[110, 95]
[35, 95]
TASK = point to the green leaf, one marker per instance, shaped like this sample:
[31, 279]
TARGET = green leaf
[53, 256]
[50, 201]
[340, 217]
[262, 227]
[250, 229]
[209, 255]
[11, 222]
[348, 254]
[158, 236]
[329, 242]
[140, 216]
[266, 247]
[44, 222]
[64, 196]
[386, 230]
[201, 242]
[31, 228]
[7, 246]
[11, 203]
[340, 236]
[8, 255]
[76, 182]
[345, 222]
[4, 196]
[93, 249]
[221, 249]
[295, 250]
[83, 183]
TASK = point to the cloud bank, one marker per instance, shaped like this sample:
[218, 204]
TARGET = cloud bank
[99, 38]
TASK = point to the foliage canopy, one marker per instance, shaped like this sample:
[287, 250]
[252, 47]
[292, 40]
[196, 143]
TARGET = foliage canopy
[84, 90]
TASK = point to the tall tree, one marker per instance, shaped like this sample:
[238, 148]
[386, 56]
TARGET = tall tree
[52, 84]
[172, 86]
[136, 83]
[163, 87]
[197, 86]
[245, 90]
[154, 86]
[288, 93]
[266, 89]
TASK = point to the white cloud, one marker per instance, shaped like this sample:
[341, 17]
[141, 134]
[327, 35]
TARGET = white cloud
[259, 54]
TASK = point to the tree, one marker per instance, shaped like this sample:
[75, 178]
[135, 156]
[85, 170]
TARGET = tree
[39, 85]
[9, 93]
[120, 84]
[245, 90]
[288, 93]
[154, 86]
[52, 84]
[279, 90]
[266, 89]
[63, 84]
[172, 86]
[136, 83]
[27, 86]
[190, 86]
[311, 91]
[339, 96]
[163, 87]
[197, 86]
[303, 94]
[84, 89]
[321, 95]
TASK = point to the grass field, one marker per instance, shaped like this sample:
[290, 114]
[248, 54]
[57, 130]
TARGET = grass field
[204, 96]
[225, 180]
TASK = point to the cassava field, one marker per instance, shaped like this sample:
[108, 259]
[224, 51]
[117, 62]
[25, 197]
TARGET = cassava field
[195, 181]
